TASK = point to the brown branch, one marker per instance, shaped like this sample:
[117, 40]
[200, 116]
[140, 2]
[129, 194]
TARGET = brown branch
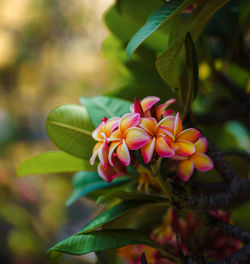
[220, 163]
[237, 192]
[210, 188]
[242, 256]
[230, 230]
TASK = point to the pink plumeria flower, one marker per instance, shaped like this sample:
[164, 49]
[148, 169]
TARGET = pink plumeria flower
[127, 137]
[197, 160]
[182, 141]
[146, 104]
[156, 142]
[145, 107]
[161, 110]
[101, 134]
[109, 172]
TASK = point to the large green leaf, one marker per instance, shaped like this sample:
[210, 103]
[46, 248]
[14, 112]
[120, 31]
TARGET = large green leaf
[53, 162]
[170, 63]
[191, 75]
[101, 240]
[86, 182]
[104, 106]
[124, 195]
[124, 27]
[162, 15]
[69, 127]
[112, 214]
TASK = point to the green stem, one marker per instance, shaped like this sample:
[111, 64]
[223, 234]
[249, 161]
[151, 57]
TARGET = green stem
[164, 186]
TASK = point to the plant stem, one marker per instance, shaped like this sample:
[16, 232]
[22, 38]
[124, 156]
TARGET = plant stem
[164, 186]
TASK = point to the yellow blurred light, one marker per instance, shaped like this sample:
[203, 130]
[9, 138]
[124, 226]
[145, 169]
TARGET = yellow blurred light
[204, 71]
[218, 65]
[7, 48]
[14, 13]
[248, 86]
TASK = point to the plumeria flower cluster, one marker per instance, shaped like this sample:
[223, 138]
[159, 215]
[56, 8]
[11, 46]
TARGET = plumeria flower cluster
[177, 234]
[154, 131]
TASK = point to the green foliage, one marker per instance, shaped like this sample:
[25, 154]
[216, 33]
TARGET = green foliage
[101, 240]
[191, 75]
[101, 106]
[158, 18]
[86, 182]
[113, 213]
[124, 195]
[69, 127]
[53, 162]
[171, 63]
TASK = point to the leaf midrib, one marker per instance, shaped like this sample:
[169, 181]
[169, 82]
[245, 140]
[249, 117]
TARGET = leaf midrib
[83, 131]
[104, 107]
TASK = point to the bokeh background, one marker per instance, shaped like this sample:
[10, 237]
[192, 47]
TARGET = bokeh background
[53, 52]
[50, 54]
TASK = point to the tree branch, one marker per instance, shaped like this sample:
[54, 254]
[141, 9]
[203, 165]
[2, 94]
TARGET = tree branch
[230, 230]
[223, 167]
[237, 192]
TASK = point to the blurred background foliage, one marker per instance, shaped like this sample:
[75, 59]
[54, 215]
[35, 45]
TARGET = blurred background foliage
[52, 52]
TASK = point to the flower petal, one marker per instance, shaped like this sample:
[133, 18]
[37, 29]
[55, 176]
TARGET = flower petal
[138, 108]
[177, 125]
[166, 126]
[111, 172]
[148, 150]
[129, 120]
[148, 124]
[185, 169]
[148, 102]
[136, 137]
[107, 174]
[96, 134]
[111, 125]
[202, 162]
[186, 148]
[103, 155]
[95, 152]
[201, 145]
[190, 134]
[161, 109]
[112, 148]
[171, 143]
[123, 153]
[162, 148]
[115, 136]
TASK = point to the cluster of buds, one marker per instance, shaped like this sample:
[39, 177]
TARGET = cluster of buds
[177, 234]
[153, 130]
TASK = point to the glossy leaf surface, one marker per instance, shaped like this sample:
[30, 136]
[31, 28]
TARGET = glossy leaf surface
[102, 240]
[85, 182]
[53, 162]
[162, 15]
[70, 128]
[104, 106]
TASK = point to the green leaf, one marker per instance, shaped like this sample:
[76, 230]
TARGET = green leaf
[190, 87]
[124, 26]
[104, 106]
[101, 240]
[123, 195]
[112, 214]
[69, 127]
[158, 18]
[85, 182]
[171, 63]
[53, 162]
